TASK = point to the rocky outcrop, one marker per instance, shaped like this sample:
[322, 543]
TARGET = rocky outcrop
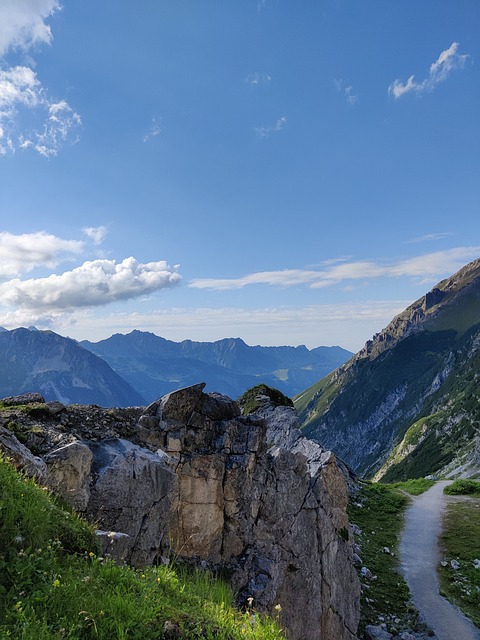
[247, 495]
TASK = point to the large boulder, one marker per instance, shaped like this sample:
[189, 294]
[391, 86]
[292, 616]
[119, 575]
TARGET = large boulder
[246, 494]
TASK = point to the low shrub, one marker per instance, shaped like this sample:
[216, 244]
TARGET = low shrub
[463, 488]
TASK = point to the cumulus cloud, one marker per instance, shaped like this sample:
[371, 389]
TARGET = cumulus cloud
[448, 61]
[425, 267]
[22, 253]
[95, 283]
[29, 117]
[264, 132]
[96, 234]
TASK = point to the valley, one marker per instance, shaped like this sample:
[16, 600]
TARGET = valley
[404, 408]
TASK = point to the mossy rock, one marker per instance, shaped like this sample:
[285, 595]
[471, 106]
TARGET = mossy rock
[249, 403]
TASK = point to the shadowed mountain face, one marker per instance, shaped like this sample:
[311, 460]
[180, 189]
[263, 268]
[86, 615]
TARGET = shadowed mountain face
[155, 366]
[60, 369]
[408, 404]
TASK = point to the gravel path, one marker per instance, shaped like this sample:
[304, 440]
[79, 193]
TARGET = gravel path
[419, 556]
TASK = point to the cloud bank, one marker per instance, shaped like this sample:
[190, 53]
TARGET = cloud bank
[29, 117]
[425, 267]
[448, 61]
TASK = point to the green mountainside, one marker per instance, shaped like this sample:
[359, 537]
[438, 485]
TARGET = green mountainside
[408, 404]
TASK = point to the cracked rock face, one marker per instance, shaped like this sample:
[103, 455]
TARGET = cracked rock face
[245, 494]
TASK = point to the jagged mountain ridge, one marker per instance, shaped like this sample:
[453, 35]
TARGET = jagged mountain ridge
[155, 366]
[60, 369]
[415, 382]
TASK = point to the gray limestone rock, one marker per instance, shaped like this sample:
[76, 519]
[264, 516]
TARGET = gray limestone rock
[374, 632]
[245, 494]
[20, 456]
[131, 490]
[69, 473]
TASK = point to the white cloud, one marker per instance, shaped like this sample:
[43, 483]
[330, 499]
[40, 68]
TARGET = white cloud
[425, 267]
[18, 87]
[22, 253]
[95, 283]
[96, 234]
[447, 61]
[23, 99]
[258, 78]
[154, 131]
[346, 91]
[264, 132]
[428, 237]
[22, 23]
[29, 117]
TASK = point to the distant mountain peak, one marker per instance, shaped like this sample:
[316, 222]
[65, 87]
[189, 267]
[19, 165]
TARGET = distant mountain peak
[423, 313]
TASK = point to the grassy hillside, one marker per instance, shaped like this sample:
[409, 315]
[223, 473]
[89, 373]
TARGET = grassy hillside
[446, 429]
[54, 585]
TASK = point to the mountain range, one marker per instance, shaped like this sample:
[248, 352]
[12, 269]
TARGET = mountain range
[60, 369]
[135, 369]
[408, 404]
[154, 366]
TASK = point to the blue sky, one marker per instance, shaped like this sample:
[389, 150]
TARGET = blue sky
[284, 172]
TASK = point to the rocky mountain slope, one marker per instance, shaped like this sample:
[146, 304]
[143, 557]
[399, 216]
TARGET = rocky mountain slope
[189, 477]
[153, 365]
[60, 369]
[408, 404]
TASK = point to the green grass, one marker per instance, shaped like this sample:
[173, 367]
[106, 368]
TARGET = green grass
[463, 488]
[54, 585]
[378, 511]
[314, 401]
[415, 486]
[460, 542]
